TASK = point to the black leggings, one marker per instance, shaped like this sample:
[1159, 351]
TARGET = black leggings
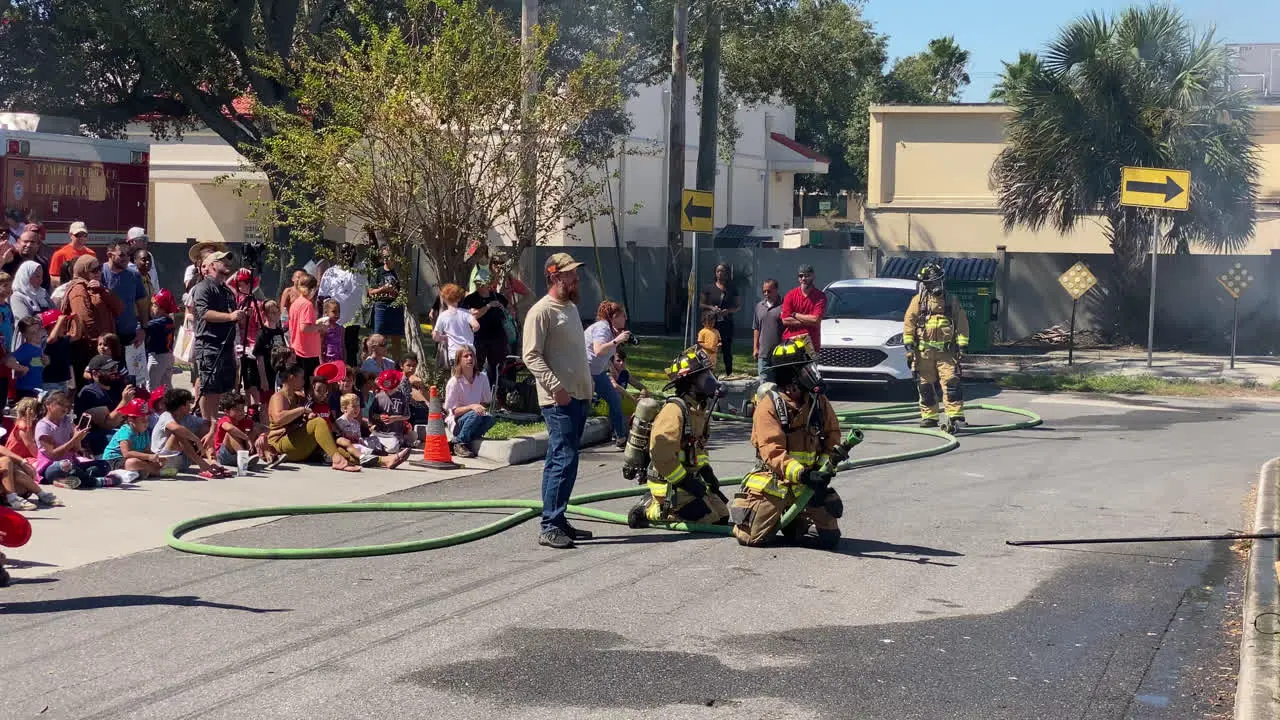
[725, 328]
[491, 350]
[351, 344]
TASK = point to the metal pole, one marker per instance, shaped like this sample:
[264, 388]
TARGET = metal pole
[1235, 326]
[675, 158]
[1151, 311]
[709, 122]
[1153, 538]
[529, 19]
[1071, 340]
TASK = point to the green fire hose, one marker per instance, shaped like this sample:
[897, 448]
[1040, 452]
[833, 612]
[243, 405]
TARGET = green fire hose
[877, 419]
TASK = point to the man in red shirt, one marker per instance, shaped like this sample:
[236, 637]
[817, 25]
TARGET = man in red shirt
[803, 308]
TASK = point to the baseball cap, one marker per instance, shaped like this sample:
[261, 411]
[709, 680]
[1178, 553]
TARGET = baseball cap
[135, 233]
[217, 255]
[78, 227]
[164, 300]
[561, 262]
[49, 318]
[103, 363]
[389, 380]
[135, 408]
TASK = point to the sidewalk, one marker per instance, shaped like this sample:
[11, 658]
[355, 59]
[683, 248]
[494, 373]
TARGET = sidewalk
[1259, 369]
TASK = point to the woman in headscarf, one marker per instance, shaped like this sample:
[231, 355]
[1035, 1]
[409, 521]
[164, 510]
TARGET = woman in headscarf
[95, 309]
[29, 296]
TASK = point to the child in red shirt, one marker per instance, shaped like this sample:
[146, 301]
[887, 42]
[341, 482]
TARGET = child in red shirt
[236, 431]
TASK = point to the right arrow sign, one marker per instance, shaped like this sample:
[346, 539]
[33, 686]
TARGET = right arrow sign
[1159, 188]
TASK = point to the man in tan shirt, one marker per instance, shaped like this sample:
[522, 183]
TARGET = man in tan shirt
[556, 354]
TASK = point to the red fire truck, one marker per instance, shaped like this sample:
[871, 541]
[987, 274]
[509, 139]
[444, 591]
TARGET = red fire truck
[58, 179]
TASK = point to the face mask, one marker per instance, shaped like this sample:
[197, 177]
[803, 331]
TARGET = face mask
[809, 379]
[707, 386]
[935, 289]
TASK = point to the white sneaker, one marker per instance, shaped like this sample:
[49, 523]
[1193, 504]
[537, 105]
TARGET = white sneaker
[21, 504]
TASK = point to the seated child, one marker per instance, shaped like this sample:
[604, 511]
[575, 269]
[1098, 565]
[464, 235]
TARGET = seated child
[390, 412]
[414, 388]
[62, 459]
[236, 431]
[355, 429]
[172, 432]
[22, 439]
[17, 467]
[30, 354]
[130, 447]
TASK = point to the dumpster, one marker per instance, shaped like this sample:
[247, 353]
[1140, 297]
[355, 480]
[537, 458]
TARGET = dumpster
[971, 280]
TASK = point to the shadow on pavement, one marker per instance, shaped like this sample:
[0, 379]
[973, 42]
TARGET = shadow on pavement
[875, 549]
[94, 602]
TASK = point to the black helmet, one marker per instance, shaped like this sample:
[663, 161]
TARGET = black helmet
[931, 273]
[795, 361]
[688, 363]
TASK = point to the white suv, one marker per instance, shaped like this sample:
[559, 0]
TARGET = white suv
[862, 331]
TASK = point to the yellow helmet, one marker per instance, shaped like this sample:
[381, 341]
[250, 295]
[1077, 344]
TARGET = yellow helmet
[692, 360]
[793, 351]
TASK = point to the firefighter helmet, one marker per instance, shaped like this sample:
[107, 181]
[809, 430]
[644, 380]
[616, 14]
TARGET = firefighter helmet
[688, 363]
[793, 351]
[931, 273]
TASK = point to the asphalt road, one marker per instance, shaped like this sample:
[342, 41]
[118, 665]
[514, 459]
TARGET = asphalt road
[923, 613]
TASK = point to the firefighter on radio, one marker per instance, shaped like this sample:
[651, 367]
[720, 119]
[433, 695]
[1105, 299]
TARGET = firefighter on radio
[935, 332]
[682, 486]
[795, 431]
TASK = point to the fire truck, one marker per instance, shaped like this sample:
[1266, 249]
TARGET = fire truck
[57, 178]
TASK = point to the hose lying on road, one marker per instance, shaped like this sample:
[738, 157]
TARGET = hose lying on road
[871, 420]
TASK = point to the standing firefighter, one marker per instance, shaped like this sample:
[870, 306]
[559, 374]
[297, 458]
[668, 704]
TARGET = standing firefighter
[935, 332]
[683, 487]
[794, 430]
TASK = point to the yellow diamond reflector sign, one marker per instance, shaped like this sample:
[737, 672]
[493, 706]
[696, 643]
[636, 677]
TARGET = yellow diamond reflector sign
[1077, 280]
[1235, 280]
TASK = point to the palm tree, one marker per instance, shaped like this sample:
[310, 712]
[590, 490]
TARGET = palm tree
[1138, 89]
[1014, 73]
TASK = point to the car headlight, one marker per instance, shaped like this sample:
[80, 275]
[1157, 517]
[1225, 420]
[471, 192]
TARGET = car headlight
[895, 340]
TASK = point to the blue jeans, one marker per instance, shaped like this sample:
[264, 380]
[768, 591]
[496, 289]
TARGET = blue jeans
[472, 426]
[608, 393]
[762, 369]
[559, 473]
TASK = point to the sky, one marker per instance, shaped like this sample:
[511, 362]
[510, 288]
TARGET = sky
[995, 30]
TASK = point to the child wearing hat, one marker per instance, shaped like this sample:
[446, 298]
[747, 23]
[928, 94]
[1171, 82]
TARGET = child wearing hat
[161, 332]
[390, 411]
[130, 447]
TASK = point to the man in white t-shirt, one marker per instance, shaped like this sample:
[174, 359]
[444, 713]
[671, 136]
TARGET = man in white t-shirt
[346, 283]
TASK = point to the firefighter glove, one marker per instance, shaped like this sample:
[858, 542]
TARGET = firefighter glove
[713, 483]
[817, 479]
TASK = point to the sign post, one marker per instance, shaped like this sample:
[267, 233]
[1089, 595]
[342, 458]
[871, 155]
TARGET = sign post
[1158, 189]
[1077, 281]
[1234, 281]
[697, 215]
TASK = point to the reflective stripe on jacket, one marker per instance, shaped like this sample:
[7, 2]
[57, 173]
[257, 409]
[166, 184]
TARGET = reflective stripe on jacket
[672, 461]
[938, 327]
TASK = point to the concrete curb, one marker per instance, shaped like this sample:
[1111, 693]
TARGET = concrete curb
[527, 448]
[1258, 687]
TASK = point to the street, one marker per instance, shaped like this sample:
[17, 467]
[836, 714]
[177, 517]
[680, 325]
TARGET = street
[924, 612]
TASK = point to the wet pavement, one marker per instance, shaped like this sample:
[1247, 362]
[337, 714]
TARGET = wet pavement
[924, 612]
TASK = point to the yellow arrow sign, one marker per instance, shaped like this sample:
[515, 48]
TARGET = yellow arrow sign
[1155, 188]
[698, 211]
[1077, 280]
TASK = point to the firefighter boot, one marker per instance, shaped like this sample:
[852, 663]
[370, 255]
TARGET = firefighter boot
[930, 422]
[637, 516]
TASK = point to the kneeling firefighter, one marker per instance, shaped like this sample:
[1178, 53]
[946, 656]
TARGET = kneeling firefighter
[795, 431]
[682, 488]
[935, 332]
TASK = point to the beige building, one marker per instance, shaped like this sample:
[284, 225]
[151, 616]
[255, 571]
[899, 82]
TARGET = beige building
[928, 187]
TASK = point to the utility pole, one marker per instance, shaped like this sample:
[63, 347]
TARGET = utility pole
[529, 179]
[675, 162]
[708, 125]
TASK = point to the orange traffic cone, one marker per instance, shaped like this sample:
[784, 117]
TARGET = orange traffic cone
[435, 447]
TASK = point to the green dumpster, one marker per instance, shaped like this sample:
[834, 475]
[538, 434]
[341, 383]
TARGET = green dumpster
[971, 280]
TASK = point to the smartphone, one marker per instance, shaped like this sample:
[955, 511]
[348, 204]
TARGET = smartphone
[84, 422]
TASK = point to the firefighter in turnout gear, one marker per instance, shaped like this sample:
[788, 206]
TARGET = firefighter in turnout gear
[935, 332]
[794, 430]
[682, 486]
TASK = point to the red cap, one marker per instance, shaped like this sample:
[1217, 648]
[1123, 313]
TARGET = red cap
[389, 380]
[331, 371]
[164, 300]
[157, 395]
[49, 318]
[243, 275]
[136, 407]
